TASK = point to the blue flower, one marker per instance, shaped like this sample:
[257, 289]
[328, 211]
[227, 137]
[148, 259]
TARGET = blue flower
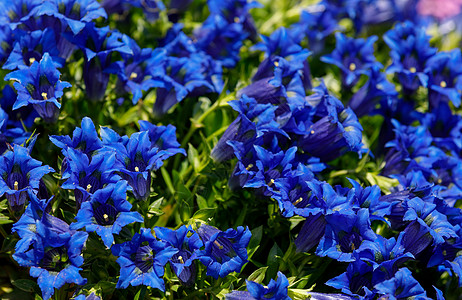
[187, 242]
[375, 91]
[225, 251]
[98, 44]
[312, 231]
[84, 139]
[107, 212]
[19, 172]
[315, 26]
[73, 13]
[142, 260]
[410, 51]
[184, 69]
[281, 44]
[151, 8]
[353, 56]
[162, 137]
[10, 135]
[334, 129]
[445, 78]
[401, 286]
[276, 290]
[40, 86]
[345, 234]
[131, 70]
[86, 177]
[30, 47]
[137, 158]
[53, 253]
[428, 216]
[18, 12]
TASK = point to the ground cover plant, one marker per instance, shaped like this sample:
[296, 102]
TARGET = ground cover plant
[230, 149]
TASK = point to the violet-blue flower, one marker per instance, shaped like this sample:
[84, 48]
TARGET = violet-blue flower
[142, 260]
[40, 86]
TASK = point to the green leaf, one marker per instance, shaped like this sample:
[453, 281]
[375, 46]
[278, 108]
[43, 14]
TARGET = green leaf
[298, 294]
[254, 242]
[201, 202]
[154, 208]
[5, 220]
[193, 157]
[141, 293]
[167, 180]
[3, 205]
[204, 214]
[259, 275]
[25, 285]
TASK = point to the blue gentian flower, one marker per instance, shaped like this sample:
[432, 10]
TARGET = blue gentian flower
[92, 296]
[84, 139]
[162, 137]
[14, 135]
[7, 37]
[415, 238]
[225, 251]
[54, 256]
[30, 47]
[151, 8]
[73, 13]
[401, 286]
[86, 177]
[312, 231]
[19, 172]
[386, 255]
[445, 78]
[375, 91]
[315, 26]
[142, 260]
[335, 131]
[187, 242]
[410, 51]
[20, 117]
[276, 290]
[40, 86]
[281, 44]
[107, 212]
[345, 234]
[356, 281]
[98, 44]
[18, 12]
[131, 70]
[428, 216]
[184, 69]
[137, 157]
[353, 56]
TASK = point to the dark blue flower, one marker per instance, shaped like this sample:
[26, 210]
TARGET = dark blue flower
[334, 129]
[19, 172]
[107, 212]
[401, 286]
[84, 139]
[73, 13]
[410, 51]
[345, 234]
[86, 177]
[184, 69]
[312, 231]
[435, 222]
[142, 260]
[162, 137]
[315, 25]
[40, 86]
[445, 78]
[98, 45]
[376, 90]
[14, 135]
[137, 157]
[18, 12]
[353, 56]
[131, 70]
[276, 290]
[187, 242]
[151, 8]
[281, 44]
[356, 281]
[53, 254]
[30, 47]
[225, 251]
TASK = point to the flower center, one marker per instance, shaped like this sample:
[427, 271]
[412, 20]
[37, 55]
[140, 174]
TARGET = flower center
[88, 187]
[45, 96]
[412, 69]
[137, 169]
[31, 60]
[16, 185]
[352, 67]
[443, 84]
[133, 75]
